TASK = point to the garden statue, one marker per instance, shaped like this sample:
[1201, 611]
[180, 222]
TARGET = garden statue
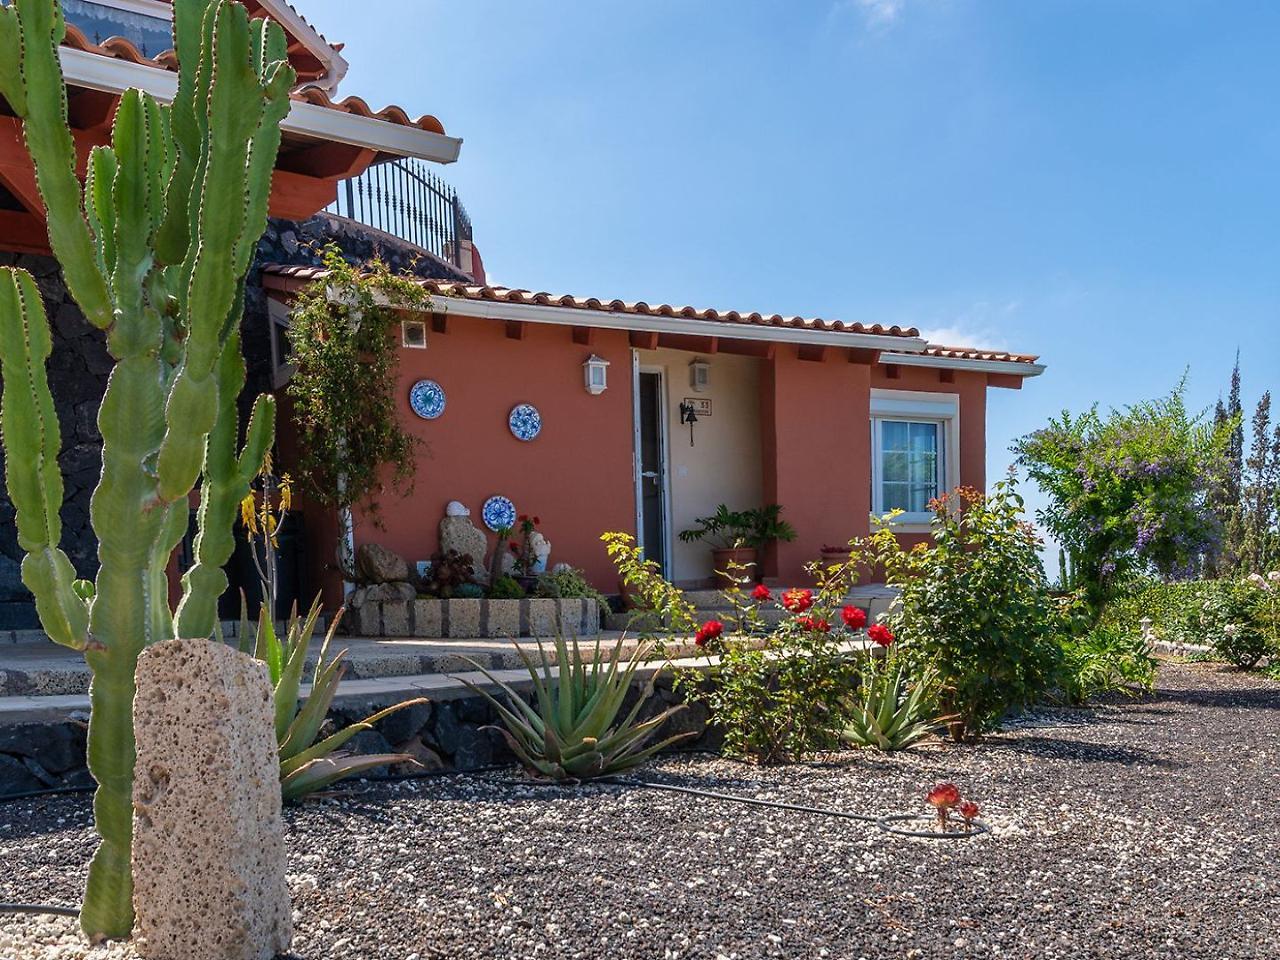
[540, 547]
[154, 249]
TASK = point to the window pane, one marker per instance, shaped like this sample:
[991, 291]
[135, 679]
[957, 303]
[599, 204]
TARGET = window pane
[920, 497]
[896, 468]
[895, 435]
[924, 437]
[896, 496]
[924, 469]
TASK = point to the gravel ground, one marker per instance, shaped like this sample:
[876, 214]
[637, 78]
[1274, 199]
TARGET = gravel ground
[1143, 829]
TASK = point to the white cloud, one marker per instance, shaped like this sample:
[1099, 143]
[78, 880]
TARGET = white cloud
[983, 325]
[881, 13]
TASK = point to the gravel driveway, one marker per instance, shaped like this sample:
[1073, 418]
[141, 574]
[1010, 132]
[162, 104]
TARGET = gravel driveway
[1144, 829]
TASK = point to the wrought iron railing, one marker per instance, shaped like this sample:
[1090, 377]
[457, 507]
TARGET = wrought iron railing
[406, 199]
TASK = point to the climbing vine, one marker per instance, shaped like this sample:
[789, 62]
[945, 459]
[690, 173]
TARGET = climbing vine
[343, 334]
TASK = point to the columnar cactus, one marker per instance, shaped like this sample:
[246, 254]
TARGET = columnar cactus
[154, 248]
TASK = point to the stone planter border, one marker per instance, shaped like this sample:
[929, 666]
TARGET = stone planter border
[476, 619]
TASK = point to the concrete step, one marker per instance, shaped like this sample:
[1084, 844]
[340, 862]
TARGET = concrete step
[230, 631]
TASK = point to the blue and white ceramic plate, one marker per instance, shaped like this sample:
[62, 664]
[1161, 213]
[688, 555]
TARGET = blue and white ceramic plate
[498, 512]
[525, 422]
[427, 399]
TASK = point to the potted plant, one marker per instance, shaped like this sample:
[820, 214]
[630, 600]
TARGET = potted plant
[737, 537]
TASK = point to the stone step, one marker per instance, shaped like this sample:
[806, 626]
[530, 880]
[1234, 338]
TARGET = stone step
[230, 630]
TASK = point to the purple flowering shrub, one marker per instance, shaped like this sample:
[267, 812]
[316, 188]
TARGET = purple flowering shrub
[1128, 491]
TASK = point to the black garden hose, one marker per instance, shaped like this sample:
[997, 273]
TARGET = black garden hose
[39, 909]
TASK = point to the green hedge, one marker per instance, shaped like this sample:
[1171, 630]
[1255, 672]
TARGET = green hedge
[1166, 604]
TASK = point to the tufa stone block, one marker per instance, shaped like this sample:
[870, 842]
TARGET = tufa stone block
[543, 621]
[502, 619]
[462, 619]
[395, 619]
[427, 620]
[208, 838]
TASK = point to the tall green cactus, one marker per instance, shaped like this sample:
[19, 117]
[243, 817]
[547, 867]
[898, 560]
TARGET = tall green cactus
[154, 248]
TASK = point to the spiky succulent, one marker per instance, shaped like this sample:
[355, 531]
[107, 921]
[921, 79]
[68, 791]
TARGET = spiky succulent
[572, 730]
[305, 765]
[890, 712]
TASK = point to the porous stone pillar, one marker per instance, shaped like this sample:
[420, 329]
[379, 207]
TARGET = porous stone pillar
[208, 838]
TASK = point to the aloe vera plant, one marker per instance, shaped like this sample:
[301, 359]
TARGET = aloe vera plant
[154, 248]
[305, 765]
[891, 712]
[574, 732]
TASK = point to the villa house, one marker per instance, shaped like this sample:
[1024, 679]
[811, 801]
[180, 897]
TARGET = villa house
[592, 414]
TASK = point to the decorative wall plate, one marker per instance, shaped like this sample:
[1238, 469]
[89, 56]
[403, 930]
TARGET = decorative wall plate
[427, 399]
[498, 512]
[525, 422]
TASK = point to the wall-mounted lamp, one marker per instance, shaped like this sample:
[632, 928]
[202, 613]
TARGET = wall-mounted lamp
[413, 334]
[688, 415]
[596, 374]
[699, 375]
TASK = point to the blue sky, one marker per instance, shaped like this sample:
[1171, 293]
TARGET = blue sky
[1092, 181]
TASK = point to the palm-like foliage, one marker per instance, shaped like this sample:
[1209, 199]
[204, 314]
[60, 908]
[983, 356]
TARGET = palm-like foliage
[307, 766]
[892, 712]
[572, 731]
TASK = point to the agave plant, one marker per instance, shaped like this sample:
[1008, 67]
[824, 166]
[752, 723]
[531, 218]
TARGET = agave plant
[574, 732]
[305, 765]
[892, 712]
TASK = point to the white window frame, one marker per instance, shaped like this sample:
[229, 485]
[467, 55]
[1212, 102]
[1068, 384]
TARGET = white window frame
[915, 406]
[278, 315]
[147, 8]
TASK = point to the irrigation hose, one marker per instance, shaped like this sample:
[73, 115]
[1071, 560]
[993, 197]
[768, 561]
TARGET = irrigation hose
[39, 908]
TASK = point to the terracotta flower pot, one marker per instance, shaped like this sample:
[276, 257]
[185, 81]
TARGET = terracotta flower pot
[741, 556]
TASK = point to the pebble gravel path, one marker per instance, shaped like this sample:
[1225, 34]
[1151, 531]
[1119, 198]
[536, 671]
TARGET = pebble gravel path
[1136, 829]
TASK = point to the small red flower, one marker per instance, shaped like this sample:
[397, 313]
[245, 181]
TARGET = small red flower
[537, 521]
[524, 518]
[944, 796]
[515, 547]
[711, 630]
[880, 634]
[969, 811]
[855, 618]
[815, 624]
[761, 594]
[797, 601]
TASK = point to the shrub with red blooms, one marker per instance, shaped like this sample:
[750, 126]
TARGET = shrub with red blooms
[814, 624]
[797, 600]
[709, 631]
[880, 634]
[761, 594]
[855, 618]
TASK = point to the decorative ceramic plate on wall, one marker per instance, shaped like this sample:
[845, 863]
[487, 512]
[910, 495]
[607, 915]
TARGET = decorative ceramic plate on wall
[498, 512]
[427, 399]
[525, 422]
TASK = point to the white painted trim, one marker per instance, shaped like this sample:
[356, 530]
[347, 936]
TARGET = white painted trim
[915, 406]
[610, 320]
[635, 446]
[145, 8]
[311, 39]
[1015, 367]
[96, 72]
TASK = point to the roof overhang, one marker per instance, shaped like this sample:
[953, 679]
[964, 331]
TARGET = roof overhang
[1018, 368]
[613, 320]
[95, 72]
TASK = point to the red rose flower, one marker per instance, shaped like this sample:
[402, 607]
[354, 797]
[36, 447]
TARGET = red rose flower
[761, 594]
[797, 601]
[711, 630]
[880, 634]
[815, 624]
[855, 618]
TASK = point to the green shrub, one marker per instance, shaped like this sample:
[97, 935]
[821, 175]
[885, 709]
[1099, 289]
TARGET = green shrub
[1105, 660]
[469, 591]
[506, 588]
[976, 607]
[1236, 619]
[568, 583]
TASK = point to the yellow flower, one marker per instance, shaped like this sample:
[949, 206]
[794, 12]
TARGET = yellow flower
[286, 493]
[249, 513]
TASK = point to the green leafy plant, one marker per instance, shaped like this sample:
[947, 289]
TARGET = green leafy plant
[469, 591]
[974, 605]
[343, 332]
[506, 588]
[663, 608]
[727, 529]
[1240, 619]
[154, 249]
[449, 572]
[568, 583]
[1105, 660]
[890, 711]
[574, 732]
[305, 764]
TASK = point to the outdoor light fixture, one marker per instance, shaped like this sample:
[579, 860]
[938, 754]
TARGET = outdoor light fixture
[413, 334]
[699, 375]
[688, 415]
[596, 373]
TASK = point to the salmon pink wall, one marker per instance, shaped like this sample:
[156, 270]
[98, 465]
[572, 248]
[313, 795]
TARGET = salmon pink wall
[816, 451]
[577, 476]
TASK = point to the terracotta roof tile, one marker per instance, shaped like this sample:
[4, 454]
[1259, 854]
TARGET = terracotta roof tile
[118, 48]
[969, 353]
[446, 288]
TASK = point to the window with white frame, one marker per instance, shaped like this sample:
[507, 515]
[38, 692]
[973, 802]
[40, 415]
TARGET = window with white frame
[914, 439]
[147, 24]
